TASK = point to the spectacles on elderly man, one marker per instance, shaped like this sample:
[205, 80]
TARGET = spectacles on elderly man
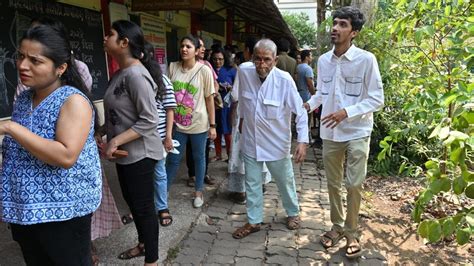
[218, 58]
[259, 60]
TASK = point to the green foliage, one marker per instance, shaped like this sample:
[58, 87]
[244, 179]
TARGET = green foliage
[426, 57]
[302, 29]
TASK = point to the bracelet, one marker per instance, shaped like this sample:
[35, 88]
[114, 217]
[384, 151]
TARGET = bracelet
[212, 125]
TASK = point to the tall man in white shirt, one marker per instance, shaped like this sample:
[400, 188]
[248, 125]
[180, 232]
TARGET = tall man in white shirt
[267, 97]
[350, 89]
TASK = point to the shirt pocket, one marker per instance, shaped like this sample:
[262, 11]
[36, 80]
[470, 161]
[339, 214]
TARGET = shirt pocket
[272, 108]
[353, 86]
[326, 86]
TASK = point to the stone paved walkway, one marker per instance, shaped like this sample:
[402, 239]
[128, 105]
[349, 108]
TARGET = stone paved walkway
[210, 242]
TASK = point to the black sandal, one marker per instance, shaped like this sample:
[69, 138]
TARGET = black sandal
[126, 219]
[126, 255]
[165, 220]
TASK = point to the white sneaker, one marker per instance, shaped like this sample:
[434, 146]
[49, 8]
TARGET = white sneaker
[198, 202]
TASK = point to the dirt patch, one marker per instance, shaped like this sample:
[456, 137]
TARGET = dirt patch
[387, 226]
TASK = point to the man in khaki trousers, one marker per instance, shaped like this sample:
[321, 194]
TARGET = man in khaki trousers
[350, 89]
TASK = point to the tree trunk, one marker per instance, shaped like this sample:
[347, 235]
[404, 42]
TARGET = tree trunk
[321, 11]
[368, 7]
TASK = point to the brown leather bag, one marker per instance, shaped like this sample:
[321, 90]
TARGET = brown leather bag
[218, 103]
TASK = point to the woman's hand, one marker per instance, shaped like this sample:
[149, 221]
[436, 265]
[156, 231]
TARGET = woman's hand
[109, 148]
[212, 133]
[168, 144]
[4, 125]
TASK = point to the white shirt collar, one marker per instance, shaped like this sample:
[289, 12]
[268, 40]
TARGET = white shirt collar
[349, 54]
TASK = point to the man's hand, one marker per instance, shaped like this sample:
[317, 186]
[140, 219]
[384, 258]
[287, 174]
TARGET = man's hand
[307, 107]
[332, 120]
[240, 125]
[300, 152]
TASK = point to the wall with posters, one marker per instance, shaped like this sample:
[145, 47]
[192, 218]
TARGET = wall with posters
[86, 37]
[154, 30]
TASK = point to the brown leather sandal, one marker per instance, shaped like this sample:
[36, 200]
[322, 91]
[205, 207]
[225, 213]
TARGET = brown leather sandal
[331, 238]
[353, 249]
[245, 230]
[293, 222]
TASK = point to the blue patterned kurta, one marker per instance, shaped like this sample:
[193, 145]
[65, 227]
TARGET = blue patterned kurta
[32, 191]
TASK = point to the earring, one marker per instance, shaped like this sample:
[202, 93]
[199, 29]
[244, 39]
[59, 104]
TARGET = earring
[59, 75]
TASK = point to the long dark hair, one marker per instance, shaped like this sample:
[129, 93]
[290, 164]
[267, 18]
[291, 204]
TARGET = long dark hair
[57, 48]
[136, 44]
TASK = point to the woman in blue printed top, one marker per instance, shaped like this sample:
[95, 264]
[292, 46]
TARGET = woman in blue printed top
[225, 77]
[51, 179]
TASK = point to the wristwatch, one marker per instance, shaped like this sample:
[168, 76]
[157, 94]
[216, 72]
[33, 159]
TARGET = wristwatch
[212, 125]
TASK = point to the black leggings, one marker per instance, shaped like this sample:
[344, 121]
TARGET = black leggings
[136, 182]
[56, 243]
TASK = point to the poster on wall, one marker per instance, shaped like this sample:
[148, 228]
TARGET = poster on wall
[154, 30]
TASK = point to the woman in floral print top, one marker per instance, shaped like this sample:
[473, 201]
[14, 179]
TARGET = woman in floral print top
[193, 84]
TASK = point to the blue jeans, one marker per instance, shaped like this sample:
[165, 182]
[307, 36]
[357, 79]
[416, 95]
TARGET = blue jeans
[282, 173]
[160, 181]
[198, 144]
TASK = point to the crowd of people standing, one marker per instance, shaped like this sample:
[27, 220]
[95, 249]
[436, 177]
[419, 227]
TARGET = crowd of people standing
[52, 183]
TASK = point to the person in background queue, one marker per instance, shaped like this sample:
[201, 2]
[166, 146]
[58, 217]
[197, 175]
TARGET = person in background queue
[131, 122]
[350, 89]
[165, 105]
[51, 179]
[194, 118]
[226, 74]
[285, 62]
[189, 149]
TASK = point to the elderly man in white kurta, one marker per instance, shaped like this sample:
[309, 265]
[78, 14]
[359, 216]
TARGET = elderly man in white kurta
[267, 97]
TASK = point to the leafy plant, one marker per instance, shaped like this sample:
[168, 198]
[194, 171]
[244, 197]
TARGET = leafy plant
[426, 56]
[302, 29]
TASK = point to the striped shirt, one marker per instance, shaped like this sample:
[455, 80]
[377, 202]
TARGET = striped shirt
[168, 102]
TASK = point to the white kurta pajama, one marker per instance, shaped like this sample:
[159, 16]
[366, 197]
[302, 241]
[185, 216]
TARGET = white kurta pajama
[236, 168]
[266, 136]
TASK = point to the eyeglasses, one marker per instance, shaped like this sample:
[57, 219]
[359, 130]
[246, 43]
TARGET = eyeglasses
[259, 60]
[217, 59]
